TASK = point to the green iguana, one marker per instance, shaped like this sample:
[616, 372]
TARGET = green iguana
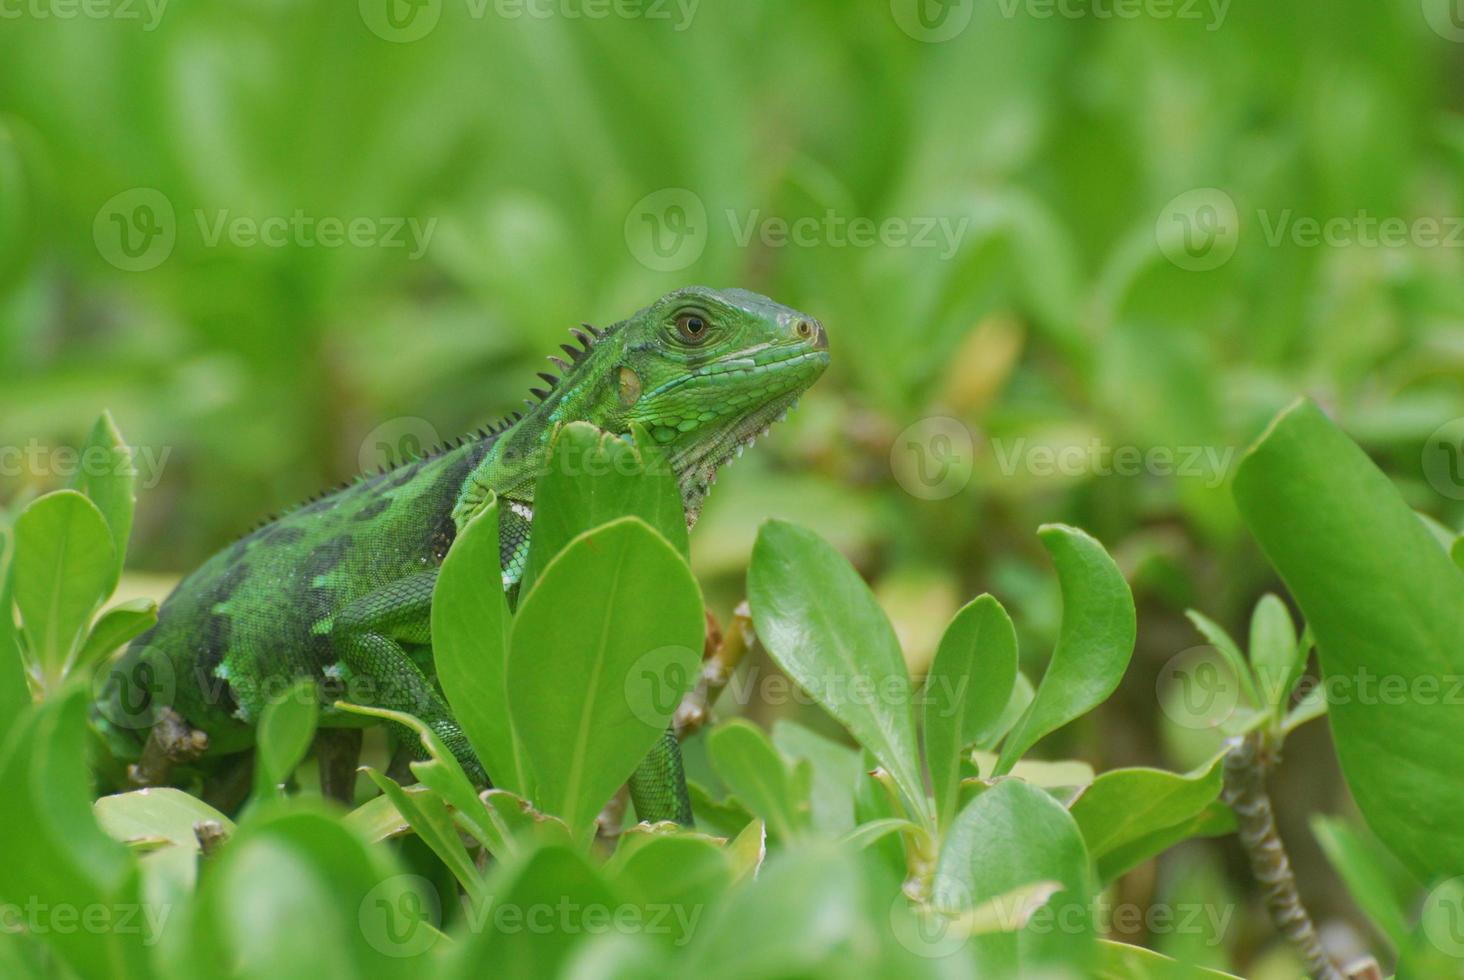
[342, 585]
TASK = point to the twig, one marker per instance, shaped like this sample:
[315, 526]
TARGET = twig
[1249, 759]
[172, 741]
[722, 655]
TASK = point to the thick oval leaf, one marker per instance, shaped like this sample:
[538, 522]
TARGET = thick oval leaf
[601, 651]
[1094, 642]
[108, 478]
[1386, 606]
[820, 622]
[803, 915]
[969, 684]
[285, 729]
[675, 878]
[57, 855]
[470, 625]
[836, 771]
[158, 811]
[1125, 805]
[297, 894]
[538, 910]
[594, 477]
[64, 561]
[759, 776]
[116, 627]
[1011, 836]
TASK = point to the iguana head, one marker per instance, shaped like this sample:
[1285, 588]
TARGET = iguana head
[705, 371]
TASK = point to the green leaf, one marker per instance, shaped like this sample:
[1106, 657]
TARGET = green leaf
[57, 855]
[836, 771]
[593, 478]
[1386, 606]
[441, 772]
[297, 894]
[378, 819]
[1094, 643]
[64, 562]
[759, 776]
[286, 727]
[158, 811]
[1016, 706]
[503, 940]
[1050, 774]
[822, 625]
[1274, 652]
[1216, 820]
[1011, 836]
[108, 478]
[1377, 882]
[1120, 961]
[677, 878]
[867, 834]
[14, 689]
[428, 816]
[725, 818]
[1125, 805]
[470, 624]
[115, 628]
[619, 616]
[1222, 642]
[804, 915]
[969, 684]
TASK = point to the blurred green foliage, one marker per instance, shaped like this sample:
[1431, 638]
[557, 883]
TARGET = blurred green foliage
[534, 155]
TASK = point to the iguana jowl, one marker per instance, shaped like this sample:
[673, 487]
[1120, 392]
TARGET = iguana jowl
[343, 584]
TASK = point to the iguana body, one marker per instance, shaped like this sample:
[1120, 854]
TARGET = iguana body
[340, 589]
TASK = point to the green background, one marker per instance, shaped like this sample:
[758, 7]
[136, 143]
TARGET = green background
[1135, 266]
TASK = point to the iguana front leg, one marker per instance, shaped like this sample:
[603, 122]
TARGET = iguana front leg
[368, 636]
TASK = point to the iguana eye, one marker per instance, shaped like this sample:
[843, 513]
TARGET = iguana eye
[692, 327]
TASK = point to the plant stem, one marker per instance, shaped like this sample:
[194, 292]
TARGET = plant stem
[1249, 759]
[724, 652]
